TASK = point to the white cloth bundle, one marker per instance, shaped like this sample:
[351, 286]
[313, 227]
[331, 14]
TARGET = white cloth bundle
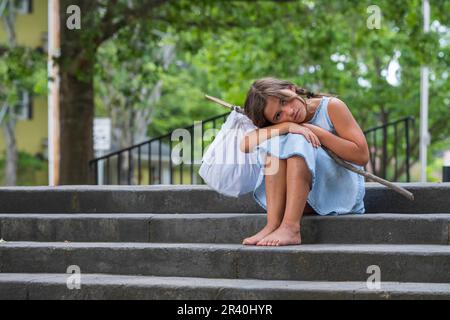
[225, 168]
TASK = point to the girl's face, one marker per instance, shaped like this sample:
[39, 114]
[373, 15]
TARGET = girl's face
[278, 110]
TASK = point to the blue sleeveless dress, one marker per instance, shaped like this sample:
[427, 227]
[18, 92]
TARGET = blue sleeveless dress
[335, 189]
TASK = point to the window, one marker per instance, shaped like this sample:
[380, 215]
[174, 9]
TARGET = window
[25, 107]
[24, 6]
[44, 42]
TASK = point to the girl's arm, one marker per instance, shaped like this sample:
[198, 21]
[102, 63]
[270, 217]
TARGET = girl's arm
[259, 135]
[350, 144]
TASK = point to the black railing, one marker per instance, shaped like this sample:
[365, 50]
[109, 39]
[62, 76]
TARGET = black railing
[390, 154]
[389, 159]
[159, 164]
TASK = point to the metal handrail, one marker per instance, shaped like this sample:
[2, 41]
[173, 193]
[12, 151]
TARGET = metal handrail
[380, 167]
[379, 159]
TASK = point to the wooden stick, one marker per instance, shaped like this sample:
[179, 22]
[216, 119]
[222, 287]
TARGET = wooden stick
[369, 175]
[341, 162]
[225, 104]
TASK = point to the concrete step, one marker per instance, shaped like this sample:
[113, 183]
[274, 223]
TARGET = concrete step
[222, 228]
[319, 262]
[98, 286]
[366, 228]
[429, 198]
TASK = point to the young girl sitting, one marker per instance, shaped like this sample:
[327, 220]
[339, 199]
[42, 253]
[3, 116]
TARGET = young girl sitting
[297, 175]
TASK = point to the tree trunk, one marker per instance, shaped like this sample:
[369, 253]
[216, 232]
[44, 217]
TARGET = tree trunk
[78, 51]
[76, 133]
[76, 114]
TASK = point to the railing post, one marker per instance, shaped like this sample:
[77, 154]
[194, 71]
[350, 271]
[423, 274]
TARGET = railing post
[149, 151]
[96, 172]
[139, 166]
[129, 166]
[119, 167]
[384, 156]
[407, 148]
[395, 152]
[170, 161]
[181, 169]
[374, 164]
[159, 161]
[192, 155]
[107, 178]
[203, 147]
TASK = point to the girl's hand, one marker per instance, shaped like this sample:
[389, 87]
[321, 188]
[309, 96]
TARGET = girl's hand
[306, 132]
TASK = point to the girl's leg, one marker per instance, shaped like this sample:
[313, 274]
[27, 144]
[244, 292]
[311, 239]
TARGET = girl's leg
[275, 182]
[298, 186]
[308, 210]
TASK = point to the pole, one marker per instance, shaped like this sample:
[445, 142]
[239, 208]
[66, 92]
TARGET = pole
[446, 167]
[100, 168]
[53, 95]
[424, 134]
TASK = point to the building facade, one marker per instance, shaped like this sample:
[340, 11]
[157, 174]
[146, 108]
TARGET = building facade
[31, 128]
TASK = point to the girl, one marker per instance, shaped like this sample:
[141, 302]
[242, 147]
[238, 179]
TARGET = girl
[297, 175]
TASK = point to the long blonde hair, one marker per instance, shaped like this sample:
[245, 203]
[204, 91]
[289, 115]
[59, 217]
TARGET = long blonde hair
[261, 89]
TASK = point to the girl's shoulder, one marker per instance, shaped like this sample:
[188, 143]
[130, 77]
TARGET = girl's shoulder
[344, 122]
[336, 109]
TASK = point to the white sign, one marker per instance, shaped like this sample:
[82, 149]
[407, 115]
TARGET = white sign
[102, 134]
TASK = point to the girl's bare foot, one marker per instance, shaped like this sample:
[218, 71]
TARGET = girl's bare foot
[260, 235]
[283, 236]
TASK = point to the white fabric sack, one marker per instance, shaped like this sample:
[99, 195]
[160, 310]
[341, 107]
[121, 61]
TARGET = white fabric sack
[225, 168]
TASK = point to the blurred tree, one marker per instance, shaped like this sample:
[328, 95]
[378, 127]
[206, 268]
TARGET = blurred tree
[128, 83]
[324, 46]
[222, 46]
[101, 20]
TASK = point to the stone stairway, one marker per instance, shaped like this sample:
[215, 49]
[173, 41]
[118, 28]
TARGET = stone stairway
[184, 242]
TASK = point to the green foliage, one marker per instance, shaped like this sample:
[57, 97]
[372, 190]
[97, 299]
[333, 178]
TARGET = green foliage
[32, 170]
[21, 68]
[222, 46]
[321, 45]
[297, 41]
[127, 65]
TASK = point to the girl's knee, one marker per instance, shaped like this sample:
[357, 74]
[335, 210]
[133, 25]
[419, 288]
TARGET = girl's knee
[274, 158]
[298, 163]
[274, 165]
